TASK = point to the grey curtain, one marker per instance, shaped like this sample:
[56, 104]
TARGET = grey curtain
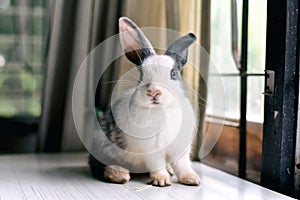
[76, 27]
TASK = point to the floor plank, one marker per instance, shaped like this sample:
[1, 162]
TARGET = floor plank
[67, 176]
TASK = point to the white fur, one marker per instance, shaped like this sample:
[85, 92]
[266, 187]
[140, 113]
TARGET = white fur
[156, 117]
[163, 133]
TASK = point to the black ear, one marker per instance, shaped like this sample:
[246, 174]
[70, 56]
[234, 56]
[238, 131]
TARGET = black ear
[179, 49]
[134, 43]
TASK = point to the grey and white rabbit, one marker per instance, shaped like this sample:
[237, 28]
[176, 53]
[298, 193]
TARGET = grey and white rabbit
[150, 127]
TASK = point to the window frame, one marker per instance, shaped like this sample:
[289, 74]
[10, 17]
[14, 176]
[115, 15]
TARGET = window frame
[279, 134]
[281, 108]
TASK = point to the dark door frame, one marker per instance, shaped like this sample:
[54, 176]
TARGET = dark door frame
[281, 106]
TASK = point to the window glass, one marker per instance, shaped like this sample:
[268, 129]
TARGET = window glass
[255, 106]
[23, 37]
[221, 36]
[231, 106]
[225, 154]
[222, 57]
[257, 36]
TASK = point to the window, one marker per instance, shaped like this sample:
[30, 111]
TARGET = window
[22, 58]
[23, 42]
[225, 155]
[222, 56]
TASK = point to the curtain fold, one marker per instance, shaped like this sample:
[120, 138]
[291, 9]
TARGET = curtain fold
[81, 47]
[77, 27]
[57, 75]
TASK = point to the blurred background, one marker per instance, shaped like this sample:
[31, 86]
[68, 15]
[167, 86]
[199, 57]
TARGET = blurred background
[43, 43]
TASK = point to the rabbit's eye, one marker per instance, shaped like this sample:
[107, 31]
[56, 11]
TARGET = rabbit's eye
[173, 74]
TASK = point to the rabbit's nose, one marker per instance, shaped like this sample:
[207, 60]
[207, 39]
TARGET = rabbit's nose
[153, 93]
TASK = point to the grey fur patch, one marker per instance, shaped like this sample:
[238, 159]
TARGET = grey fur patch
[141, 73]
[112, 131]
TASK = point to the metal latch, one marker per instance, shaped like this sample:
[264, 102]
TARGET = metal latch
[270, 82]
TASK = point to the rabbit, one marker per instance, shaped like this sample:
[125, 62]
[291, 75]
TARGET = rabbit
[152, 123]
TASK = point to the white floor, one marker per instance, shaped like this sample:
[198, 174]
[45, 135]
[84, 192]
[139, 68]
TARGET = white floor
[67, 176]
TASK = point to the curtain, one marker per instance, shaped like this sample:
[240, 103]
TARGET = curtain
[77, 27]
[56, 80]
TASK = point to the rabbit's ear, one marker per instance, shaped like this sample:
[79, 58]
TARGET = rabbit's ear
[179, 49]
[134, 43]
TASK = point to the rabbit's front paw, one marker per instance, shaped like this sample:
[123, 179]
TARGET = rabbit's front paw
[189, 179]
[116, 174]
[160, 179]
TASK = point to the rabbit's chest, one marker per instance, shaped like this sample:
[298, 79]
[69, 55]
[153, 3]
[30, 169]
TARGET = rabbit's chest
[153, 131]
[146, 129]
